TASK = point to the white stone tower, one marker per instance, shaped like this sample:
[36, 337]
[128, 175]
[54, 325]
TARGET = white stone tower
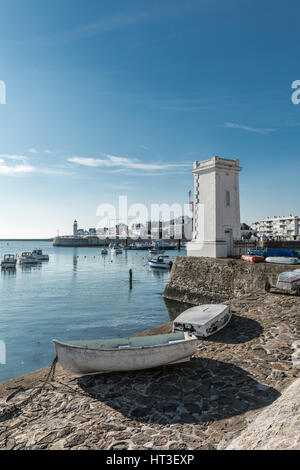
[75, 228]
[216, 208]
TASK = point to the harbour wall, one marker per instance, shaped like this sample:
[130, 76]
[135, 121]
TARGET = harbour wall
[198, 280]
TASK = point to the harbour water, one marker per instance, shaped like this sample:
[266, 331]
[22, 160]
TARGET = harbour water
[78, 294]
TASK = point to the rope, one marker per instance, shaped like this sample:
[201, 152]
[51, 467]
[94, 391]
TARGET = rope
[11, 409]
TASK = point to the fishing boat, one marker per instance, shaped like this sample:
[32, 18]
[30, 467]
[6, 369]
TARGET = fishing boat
[160, 262]
[282, 260]
[28, 258]
[38, 254]
[124, 354]
[253, 258]
[287, 281]
[104, 251]
[203, 320]
[9, 261]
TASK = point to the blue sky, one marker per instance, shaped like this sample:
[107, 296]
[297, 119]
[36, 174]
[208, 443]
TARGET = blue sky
[120, 97]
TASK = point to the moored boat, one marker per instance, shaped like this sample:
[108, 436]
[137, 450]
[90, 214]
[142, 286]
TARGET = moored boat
[253, 258]
[104, 251]
[257, 253]
[124, 354]
[282, 260]
[28, 258]
[203, 320]
[287, 281]
[116, 250]
[160, 262]
[9, 261]
[38, 254]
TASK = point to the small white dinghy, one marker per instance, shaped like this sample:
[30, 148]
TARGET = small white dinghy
[287, 281]
[282, 260]
[203, 320]
[124, 354]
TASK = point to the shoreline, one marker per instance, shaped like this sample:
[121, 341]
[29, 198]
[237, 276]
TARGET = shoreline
[32, 379]
[236, 377]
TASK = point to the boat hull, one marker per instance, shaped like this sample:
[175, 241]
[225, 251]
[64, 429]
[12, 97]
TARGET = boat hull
[253, 258]
[159, 265]
[282, 260]
[83, 361]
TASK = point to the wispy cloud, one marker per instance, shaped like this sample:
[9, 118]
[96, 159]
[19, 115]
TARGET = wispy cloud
[20, 158]
[113, 161]
[258, 130]
[9, 167]
[32, 150]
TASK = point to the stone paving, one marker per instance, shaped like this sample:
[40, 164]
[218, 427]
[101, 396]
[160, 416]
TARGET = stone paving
[195, 405]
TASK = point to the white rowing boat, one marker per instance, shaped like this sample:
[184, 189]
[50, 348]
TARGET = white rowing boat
[282, 260]
[203, 320]
[124, 354]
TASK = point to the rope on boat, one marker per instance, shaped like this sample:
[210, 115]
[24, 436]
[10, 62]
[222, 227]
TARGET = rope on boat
[11, 409]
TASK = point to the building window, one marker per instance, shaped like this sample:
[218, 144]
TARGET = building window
[227, 198]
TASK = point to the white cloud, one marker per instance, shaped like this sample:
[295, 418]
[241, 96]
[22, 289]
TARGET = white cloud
[21, 158]
[258, 130]
[15, 170]
[113, 161]
[33, 150]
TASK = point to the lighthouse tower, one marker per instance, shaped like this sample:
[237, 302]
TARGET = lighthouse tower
[75, 228]
[216, 208]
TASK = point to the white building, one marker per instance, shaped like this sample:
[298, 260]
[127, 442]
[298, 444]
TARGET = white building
[216, 208]
[287, 228]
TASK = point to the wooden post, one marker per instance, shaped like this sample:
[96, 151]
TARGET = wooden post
[130, 278]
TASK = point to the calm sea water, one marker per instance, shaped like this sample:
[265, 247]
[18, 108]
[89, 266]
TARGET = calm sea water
[78, 294]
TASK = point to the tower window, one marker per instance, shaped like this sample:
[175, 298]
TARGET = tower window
[227, 198]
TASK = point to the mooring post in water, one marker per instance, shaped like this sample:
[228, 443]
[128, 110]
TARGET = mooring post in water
[130, 278]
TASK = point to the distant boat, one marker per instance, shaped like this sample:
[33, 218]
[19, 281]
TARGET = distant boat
[104, 251]
[28, 258]
[116, 250]
[203, 320]
[9, 261]
[124, 354]
[156, 251]
[160, 262]
[38, 254]
[282, 260]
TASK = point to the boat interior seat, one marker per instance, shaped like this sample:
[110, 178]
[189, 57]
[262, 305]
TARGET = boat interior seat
[128, 343]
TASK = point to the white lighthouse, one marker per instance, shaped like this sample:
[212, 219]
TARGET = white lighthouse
[216, 208]
[75, 228]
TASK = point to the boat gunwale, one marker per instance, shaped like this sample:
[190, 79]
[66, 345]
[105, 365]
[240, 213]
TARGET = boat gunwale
[186, 339]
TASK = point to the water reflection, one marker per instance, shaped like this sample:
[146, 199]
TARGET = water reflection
[176, 308]
[30, 267]
[8, 271]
